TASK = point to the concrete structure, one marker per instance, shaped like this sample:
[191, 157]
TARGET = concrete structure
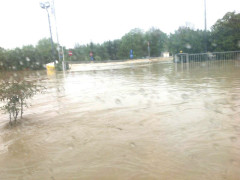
[165, 54]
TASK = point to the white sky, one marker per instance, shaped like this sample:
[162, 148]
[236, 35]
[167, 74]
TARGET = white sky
[23, 22]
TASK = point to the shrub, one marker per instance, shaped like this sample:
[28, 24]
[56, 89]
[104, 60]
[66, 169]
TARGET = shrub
[14, 93]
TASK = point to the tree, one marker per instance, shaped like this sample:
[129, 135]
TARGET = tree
[78, 53]
[14, 93]
[133, 40]
[157, 40]
[187, 40]
[3, 62]
[15, 59]
[28, 57]
[225, 34]
[115, 49]
[32, 58]
[44, 51]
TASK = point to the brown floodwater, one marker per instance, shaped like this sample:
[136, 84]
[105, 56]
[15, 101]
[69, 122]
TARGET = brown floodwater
[132, 121]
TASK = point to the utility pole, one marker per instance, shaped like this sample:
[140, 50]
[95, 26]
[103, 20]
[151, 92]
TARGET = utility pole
[54, 14]
[148, 50]
[45, 6]
[205, 26]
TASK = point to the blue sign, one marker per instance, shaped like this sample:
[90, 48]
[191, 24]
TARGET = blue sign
[131, 53]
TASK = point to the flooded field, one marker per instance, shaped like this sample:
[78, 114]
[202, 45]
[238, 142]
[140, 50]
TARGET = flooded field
[134, 121]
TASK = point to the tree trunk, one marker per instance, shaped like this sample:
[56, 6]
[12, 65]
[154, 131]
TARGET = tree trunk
[10, 117]
[16, 115]
[21, 108]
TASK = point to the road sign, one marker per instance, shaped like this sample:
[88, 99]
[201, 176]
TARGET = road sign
[131, 53]
[70, 53]
[91, 54]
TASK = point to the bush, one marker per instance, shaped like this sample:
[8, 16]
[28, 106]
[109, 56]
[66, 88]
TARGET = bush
[98, 58]
[14, 93]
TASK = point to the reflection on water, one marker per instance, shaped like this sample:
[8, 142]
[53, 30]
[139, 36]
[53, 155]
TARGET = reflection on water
[145, 121]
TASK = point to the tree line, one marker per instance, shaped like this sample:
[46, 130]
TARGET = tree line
[224, 35]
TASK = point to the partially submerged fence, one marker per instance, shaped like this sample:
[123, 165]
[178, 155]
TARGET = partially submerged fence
[222, 60]
[185, 57]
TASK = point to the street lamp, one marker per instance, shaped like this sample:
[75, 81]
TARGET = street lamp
[205, 25]
[46, 5]
[58, 44]
[148, 50]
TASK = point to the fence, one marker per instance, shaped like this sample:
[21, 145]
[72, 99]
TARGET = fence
[220, 60]
[185, 58]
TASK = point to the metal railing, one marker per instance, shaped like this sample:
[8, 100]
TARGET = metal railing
[210, 56]
[220, 60]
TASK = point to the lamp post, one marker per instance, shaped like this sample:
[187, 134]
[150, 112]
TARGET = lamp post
[46, 5]
[59, 48]
[148, 50]
[205, 25]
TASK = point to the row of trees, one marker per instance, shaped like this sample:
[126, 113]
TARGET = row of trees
[223, 36]
[136, 40]
[27, 57]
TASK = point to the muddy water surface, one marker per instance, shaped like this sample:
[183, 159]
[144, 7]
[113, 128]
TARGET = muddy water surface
[142, 121]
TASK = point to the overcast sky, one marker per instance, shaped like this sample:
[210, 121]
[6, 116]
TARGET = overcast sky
[23, 22]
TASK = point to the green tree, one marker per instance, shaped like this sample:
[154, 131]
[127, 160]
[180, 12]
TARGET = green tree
[27, 57]
[3, 61]
[133, 40]
[101, 52]
[15, 59]
[81, 52]
[44, 51]
[188, 40]
[225, 34]
[157, 40]
[112, 48]
[14, 92]
[31, 58]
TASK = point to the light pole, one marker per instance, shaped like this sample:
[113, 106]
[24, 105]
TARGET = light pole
[148, 50]
[205, 24]
[46, 5]
[58, 44]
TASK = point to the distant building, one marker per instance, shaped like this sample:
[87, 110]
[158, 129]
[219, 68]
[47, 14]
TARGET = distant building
[165, 54]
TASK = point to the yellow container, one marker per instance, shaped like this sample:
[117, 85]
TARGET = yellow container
[50, 67]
